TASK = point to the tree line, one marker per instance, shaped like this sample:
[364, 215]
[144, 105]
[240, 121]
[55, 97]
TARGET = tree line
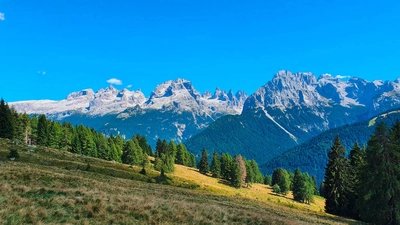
[237, 170]
[366, 184]
[38, 130]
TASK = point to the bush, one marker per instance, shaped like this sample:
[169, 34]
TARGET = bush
[13, 154]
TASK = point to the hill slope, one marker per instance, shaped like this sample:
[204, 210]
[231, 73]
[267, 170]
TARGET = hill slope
[48, 186]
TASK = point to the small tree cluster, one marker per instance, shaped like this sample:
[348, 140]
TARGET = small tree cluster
[282, 179]
[303, 187]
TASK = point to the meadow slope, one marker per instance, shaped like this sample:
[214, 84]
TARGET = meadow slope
[48, 186]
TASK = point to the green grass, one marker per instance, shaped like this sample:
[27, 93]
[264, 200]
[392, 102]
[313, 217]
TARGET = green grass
[49, 186]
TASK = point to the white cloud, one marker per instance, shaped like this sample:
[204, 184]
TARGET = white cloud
[44, 72]
[342, 77]
[129, 86]
[2, 16]
[114, 81]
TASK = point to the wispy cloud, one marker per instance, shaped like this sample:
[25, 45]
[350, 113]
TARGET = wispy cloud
[342, 77]
[42, 72]
[2, 16]
[114, 81]
[129, 86]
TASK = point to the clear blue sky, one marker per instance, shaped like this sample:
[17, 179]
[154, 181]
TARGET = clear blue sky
[51, 48]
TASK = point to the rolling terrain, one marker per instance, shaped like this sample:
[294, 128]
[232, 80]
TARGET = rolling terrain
[49, 186]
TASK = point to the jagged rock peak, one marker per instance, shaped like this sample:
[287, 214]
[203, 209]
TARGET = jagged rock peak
[89, 93]
[285, 75]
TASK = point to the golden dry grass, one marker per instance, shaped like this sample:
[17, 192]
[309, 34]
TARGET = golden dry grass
[53, 187]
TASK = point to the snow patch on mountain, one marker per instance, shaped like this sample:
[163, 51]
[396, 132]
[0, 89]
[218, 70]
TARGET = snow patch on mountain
[178, 95]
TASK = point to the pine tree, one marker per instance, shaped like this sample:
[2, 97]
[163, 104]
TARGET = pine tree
[181, 157]
[267, 180]
[192, 161]
[357, 159]
[379, 194]
[6, 121]
[236, 174]
[336, 180]
[203, 165]
[216, 165]
[282, 178]
[144, 145]
[226, 166]
[239, 159]
[42, 131]
[299, 186]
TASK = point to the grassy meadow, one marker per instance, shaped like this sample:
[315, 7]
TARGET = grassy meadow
[48, 186]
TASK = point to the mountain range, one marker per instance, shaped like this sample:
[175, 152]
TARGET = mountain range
[285, 112]
[292, 108]
[175, 110]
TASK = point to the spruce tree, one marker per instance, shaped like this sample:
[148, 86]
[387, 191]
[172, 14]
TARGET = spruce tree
[42, 131]
[6, 121]
[180, 155]
[216, 165]
[226, 166]
[203, 165]
[336, 180]
[379, 194]
[239, 159]
[282, 178]
[236, 174]
[357, 159]
[299, 186]
[267, 180]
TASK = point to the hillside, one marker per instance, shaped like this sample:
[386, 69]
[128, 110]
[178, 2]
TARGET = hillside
[312, 155]
[48, 186]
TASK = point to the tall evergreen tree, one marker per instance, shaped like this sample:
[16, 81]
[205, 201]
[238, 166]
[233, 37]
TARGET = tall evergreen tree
[144, 145]
[203, 165]
[336, 180]
[42, 131]
[236, 174]
[299, 186]
[282, 178]
[6, 121]
[226, 166]
[357, 159]
[268, 180]
[239, 159]
[216, 165]
[379, 195]
[181, 157]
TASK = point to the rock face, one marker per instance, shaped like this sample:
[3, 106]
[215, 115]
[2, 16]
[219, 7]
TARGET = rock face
[178, 110]
[292, 108]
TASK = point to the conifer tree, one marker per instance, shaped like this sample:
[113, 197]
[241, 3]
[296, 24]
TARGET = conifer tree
[6, 121]
[181, 156]
[226, 166]
[216, 165]
[239, 159]
[379, 195]
[299, 186]
[336, 180]
[203, 165]
[357, 159]
[267, 180]
[192, 161]
[144, 145]
[282, 178]
[42, 131]
[236, 174]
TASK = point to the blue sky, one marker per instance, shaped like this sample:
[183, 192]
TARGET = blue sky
[51, 48]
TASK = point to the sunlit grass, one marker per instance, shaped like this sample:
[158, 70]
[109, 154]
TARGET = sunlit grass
[49, 186]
